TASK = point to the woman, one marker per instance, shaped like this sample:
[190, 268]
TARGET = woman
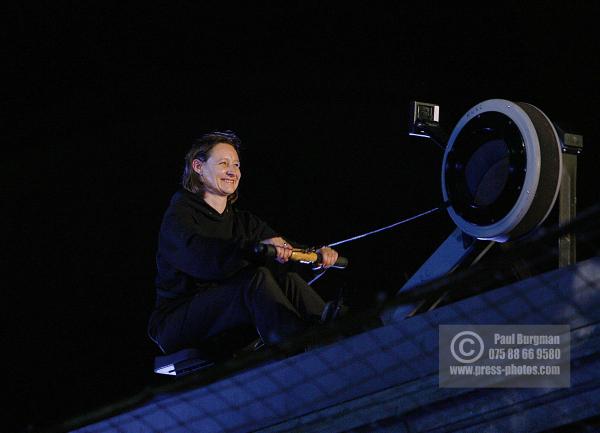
[207, 282]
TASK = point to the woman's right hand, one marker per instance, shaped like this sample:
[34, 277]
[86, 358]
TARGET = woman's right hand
[284, 249]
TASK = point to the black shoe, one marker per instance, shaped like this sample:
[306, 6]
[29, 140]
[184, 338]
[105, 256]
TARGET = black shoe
[333, 310]
[254, 346]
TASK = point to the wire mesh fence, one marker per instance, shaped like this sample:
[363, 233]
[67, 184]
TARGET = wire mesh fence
[361, 375]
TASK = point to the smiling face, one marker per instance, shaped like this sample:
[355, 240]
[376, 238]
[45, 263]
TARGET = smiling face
[220, 173]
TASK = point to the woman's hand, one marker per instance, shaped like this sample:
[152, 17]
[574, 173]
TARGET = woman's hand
[329, 256]
[284, 249]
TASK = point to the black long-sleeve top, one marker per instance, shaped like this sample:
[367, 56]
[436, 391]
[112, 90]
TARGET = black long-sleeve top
[198, 247]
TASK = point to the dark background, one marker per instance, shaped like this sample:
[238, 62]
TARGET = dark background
[105, 98]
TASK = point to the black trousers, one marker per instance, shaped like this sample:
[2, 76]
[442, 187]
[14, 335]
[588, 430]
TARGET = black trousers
[277, 308]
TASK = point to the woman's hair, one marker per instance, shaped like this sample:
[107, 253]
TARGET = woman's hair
[201, 151]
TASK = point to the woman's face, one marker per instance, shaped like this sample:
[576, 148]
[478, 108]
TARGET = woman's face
[221, 173]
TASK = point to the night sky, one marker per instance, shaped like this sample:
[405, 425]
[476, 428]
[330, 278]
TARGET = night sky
[104, 100]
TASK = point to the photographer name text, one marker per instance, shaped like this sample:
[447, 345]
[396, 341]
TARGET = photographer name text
[517, 338]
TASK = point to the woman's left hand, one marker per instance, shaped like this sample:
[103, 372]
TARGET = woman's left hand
[329, 256]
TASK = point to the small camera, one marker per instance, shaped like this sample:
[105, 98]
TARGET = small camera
[424, 121]
[424, 112]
